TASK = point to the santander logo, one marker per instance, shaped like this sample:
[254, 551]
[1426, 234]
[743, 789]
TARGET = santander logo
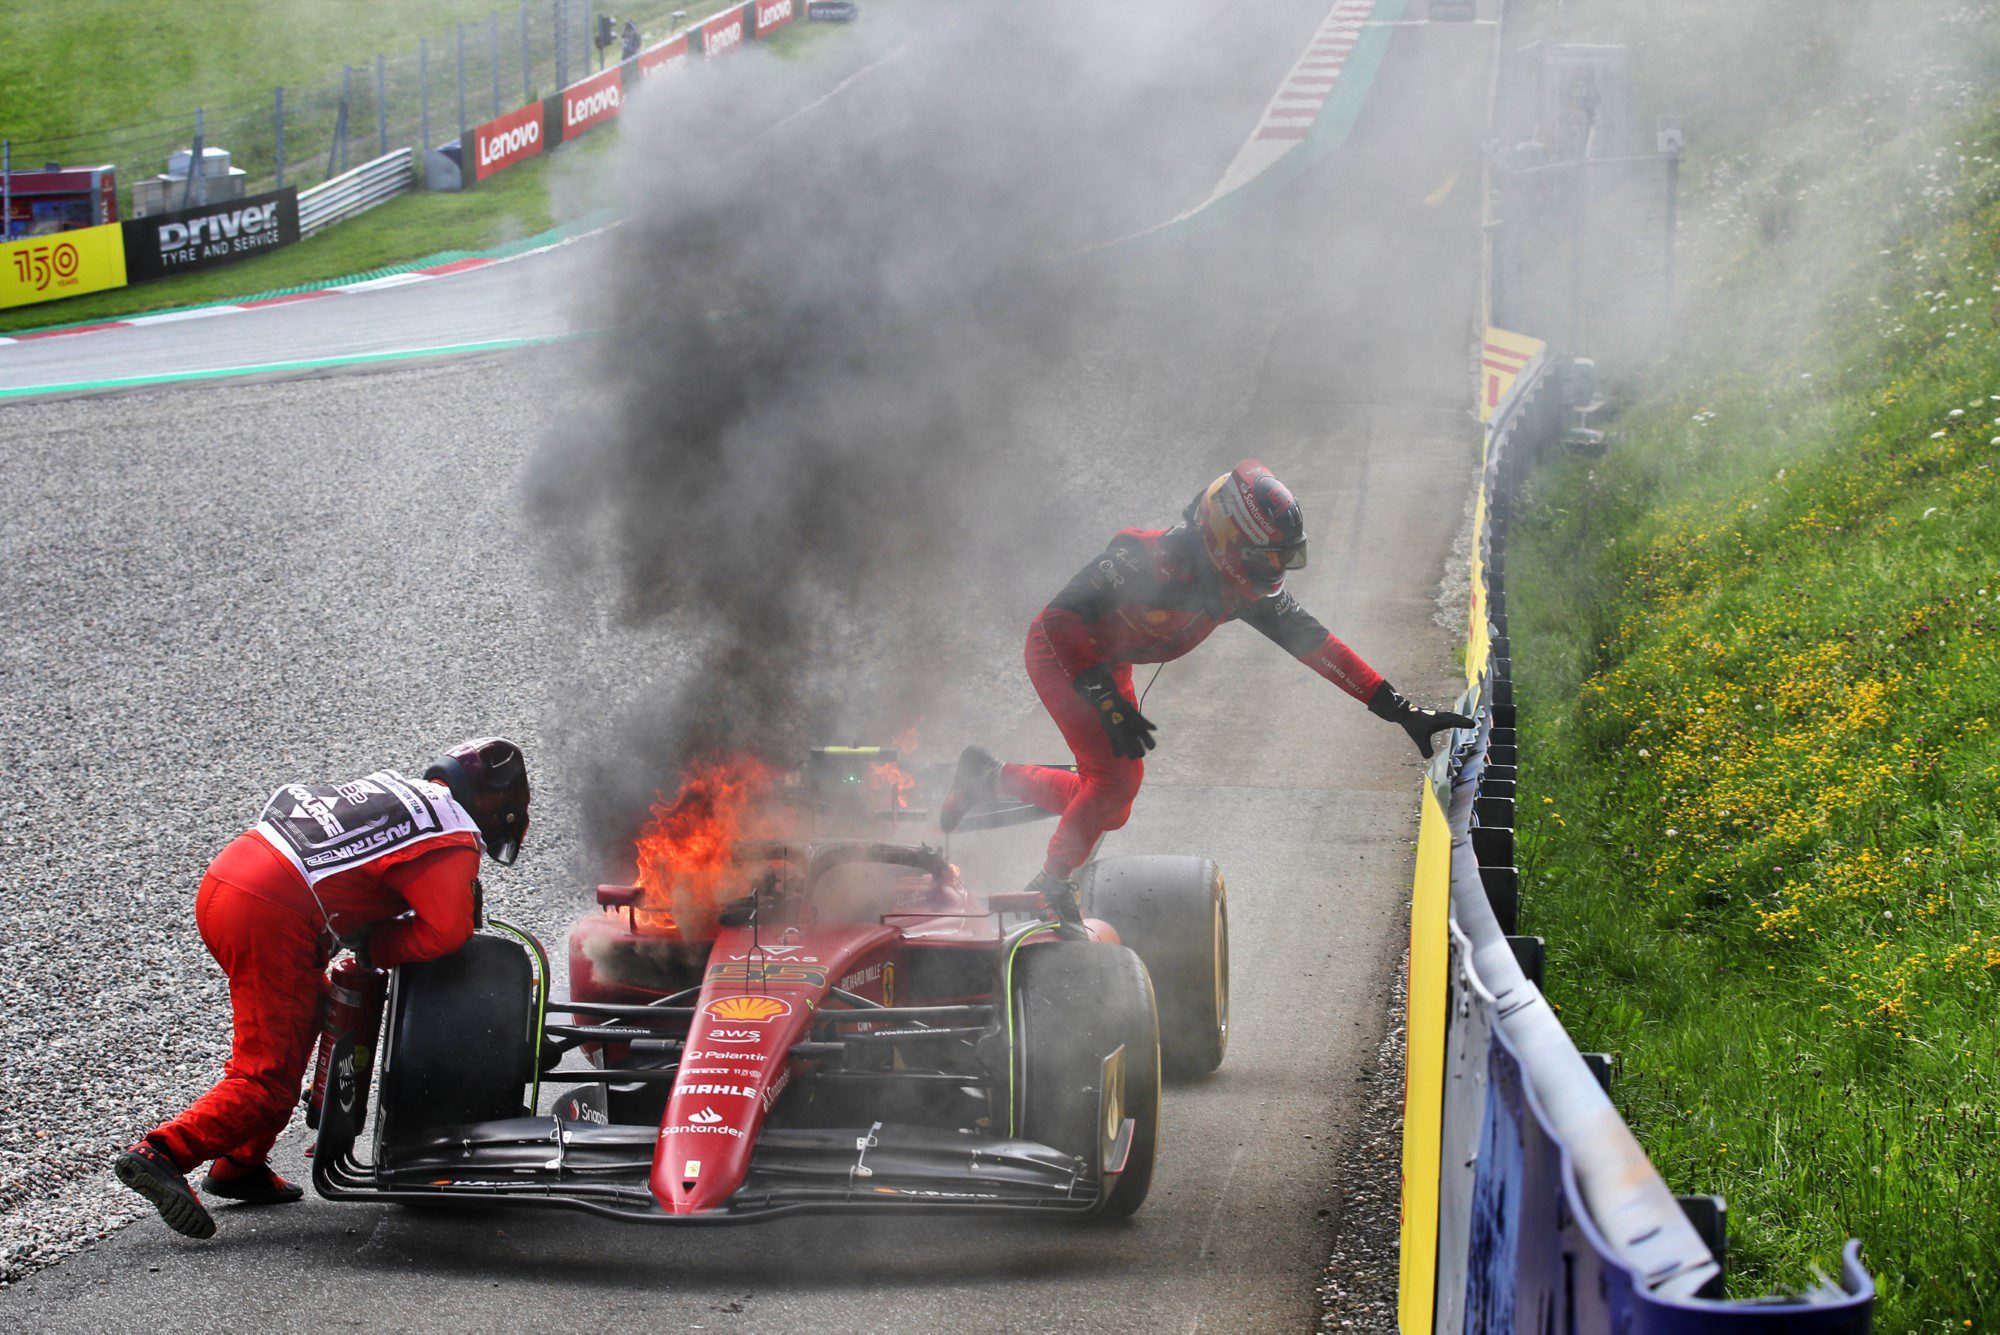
[508, 142]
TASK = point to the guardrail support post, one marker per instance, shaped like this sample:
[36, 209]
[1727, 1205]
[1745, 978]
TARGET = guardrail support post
[278, 131]
[1503, 892]
[424, 91]
[493, 52]
[1531, 953]
[560, 11]
[459, 29]
[1493, 845]
[527, 59]
[381, 106]
[1710, 1217]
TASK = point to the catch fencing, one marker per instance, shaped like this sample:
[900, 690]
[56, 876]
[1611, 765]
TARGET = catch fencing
[419, 97]
[1528, 1204]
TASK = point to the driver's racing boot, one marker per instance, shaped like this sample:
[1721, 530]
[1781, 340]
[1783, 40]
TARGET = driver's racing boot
[1060, 896]
[258, 1185]
[978, 772]
[153, 1175]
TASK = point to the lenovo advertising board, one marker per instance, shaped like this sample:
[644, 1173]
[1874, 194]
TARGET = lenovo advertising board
[666, 56]
[214, 234]
[506, 140]
[725, 32]
[772, 15]
[594, 101]
[63, 264]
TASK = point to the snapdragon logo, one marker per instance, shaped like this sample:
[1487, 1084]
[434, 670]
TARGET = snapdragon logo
[604, 100]
[520, 139]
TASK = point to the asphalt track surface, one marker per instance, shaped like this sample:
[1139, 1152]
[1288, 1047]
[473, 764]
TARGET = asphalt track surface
[1345, 354]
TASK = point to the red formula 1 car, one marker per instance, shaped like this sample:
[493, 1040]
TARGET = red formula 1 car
[861, 1031]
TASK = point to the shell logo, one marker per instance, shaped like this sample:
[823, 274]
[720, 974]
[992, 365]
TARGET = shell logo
[749, 1010]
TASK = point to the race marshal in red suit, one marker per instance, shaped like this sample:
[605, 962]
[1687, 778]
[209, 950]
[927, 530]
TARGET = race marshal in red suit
[1152, 596]
[384, 865]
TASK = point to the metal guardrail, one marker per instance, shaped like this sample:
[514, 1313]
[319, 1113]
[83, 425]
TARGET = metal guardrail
[356, 191]
[1552, 1218]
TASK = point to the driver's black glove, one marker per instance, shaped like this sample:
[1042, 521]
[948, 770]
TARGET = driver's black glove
[356, 944]
[1421, 724]
[1131, 732]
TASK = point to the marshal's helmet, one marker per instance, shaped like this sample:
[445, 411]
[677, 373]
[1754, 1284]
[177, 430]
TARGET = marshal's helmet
[489, 778]
[1252, 529]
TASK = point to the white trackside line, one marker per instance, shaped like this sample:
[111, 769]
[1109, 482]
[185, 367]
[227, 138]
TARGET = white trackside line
[173, 317]
[1299, 96]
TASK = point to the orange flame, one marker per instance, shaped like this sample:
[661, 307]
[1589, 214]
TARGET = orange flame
[888, 784]
[685, 867]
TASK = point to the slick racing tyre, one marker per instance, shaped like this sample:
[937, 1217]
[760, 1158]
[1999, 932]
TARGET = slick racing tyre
[461, 1041]
[1086, 1056]
[1174, 914]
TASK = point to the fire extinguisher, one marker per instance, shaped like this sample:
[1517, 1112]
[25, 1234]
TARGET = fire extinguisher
[353, 1009]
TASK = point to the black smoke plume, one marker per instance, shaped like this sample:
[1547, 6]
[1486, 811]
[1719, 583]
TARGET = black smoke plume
[802, 450]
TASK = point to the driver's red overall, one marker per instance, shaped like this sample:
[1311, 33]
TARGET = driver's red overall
[1148, 599]
[263, 927]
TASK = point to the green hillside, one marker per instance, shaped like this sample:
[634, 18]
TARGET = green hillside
[1758, 647]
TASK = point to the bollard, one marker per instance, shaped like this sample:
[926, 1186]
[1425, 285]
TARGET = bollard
[1531, 953]
[1503, 893]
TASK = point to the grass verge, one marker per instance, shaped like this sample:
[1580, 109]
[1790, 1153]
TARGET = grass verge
[1758, 647]
[514, 204]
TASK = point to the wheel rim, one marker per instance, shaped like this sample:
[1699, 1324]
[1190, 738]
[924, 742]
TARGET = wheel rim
[1221, 936]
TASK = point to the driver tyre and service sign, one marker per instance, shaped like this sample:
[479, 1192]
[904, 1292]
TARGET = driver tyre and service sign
[209, 236]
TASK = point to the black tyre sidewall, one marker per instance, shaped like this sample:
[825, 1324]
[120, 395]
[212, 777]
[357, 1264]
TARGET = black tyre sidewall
[1171, 910]
[1074, 1004]
[460, 1044]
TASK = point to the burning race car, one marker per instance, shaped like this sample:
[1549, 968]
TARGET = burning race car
[847, 1027]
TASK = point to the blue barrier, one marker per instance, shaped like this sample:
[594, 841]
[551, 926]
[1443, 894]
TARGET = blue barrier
[1550, 1216]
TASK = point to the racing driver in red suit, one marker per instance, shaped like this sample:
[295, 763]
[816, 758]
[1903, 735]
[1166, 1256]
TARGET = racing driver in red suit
[1152, 596]
[386, 866]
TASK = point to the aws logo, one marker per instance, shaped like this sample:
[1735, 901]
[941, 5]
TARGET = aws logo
[748, 1010]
